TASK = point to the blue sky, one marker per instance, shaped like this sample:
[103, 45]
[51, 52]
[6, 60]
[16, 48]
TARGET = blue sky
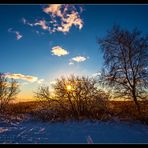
[28, 39]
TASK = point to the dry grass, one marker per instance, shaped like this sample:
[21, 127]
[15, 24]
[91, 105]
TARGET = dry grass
[123, 110]
[126, 110]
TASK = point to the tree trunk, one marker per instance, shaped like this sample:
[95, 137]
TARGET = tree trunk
[137, 104]
[135, 100]
[72, 107]
[141, 116]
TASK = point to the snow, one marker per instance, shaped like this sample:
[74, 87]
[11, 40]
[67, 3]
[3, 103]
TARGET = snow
[33, 131]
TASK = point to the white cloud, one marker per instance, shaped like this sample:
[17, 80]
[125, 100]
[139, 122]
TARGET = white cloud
[22, 77]
[96, 74]
[40, 81]
[59, 51]
[71, 63]
[18, 35]
[25, 22]
[79, 59]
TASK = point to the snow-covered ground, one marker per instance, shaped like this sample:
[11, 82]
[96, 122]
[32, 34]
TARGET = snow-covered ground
[32, 131]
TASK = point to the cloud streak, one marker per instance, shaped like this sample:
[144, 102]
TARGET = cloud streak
[18, 35]
[42, 23]
[59, 51]
[22, 77]
[27, 78]
[26, 22]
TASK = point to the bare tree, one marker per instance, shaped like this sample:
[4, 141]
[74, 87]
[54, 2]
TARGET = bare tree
[43, 93]
[81, 93]
[8, 90]
[126, 62]
[45, 97]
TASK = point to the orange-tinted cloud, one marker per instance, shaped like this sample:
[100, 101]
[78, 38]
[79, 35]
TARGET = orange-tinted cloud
[69, 21]
[62, 18]
[54, 9]
[67, 14]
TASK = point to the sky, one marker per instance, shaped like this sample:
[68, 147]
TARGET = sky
[39, 43]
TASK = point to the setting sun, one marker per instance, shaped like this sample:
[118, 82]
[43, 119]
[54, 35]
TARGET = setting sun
[69, 87]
